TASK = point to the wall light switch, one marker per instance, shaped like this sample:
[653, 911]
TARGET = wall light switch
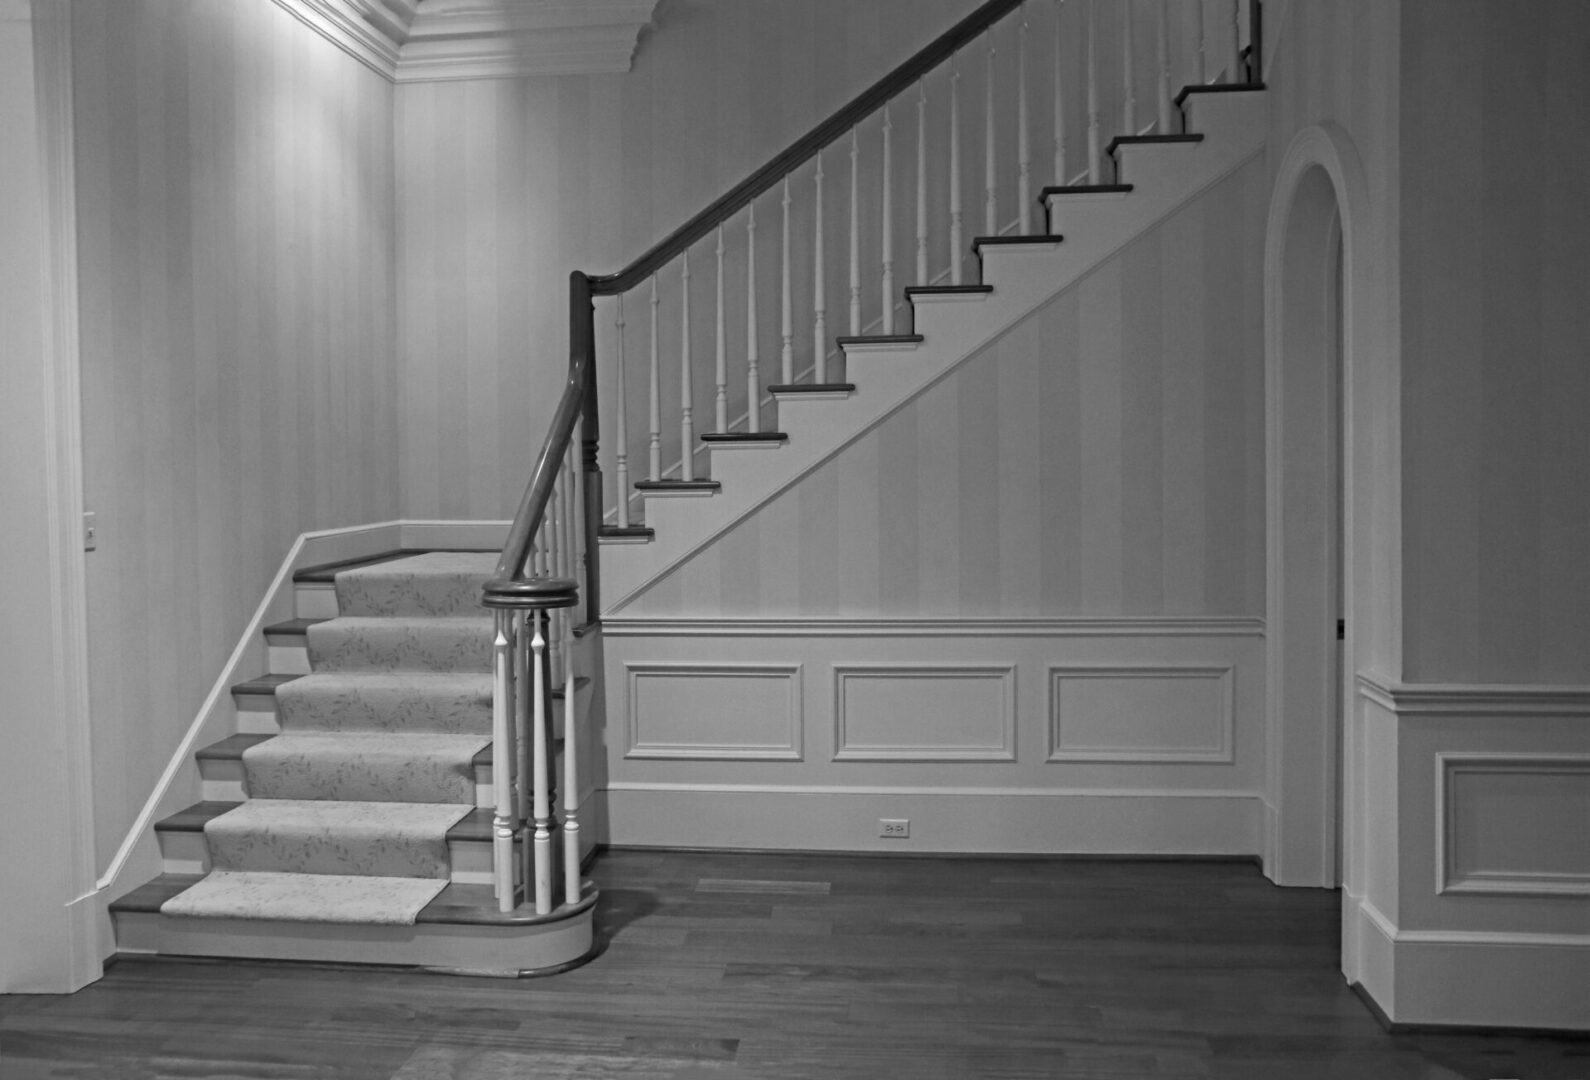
[90, 531]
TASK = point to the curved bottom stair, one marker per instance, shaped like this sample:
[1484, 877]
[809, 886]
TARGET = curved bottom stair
[346, 820]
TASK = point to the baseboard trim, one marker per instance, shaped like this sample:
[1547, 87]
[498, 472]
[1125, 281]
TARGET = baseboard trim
[987, 821]
[1078, 626]
[1426, 979]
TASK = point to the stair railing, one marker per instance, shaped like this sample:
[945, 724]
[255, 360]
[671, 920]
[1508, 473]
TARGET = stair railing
[547, 580]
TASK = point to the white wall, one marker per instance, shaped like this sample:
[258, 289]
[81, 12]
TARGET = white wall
[48, 939]
[236, 228]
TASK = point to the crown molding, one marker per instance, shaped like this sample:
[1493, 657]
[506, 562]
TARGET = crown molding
[432, 40]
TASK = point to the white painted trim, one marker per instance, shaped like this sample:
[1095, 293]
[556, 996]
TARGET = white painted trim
[1004, 672]
[1080, 626]
[429, 40]
[1483, 883]
[1429, 976]
[1297, 739]
[960, 791]
[942, 820]
[1473, 699]
[88, 933]
[1223, 753]
[788, 672]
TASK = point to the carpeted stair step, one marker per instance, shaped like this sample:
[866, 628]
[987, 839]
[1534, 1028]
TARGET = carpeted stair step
[452, 643]
[311, 898]
[445, 703]
[435, 584]
[364, 767]
[372, 839]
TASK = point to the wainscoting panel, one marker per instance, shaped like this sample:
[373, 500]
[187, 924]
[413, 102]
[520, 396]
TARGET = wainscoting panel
[713, 741]
[913, 712]
[714, 712]
[1149, 714]
[1514, 824]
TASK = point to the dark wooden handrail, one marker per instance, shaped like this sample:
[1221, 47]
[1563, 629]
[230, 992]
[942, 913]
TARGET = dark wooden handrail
[870, 101]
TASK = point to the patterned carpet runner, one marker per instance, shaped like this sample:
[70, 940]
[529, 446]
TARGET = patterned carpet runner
[349, 806]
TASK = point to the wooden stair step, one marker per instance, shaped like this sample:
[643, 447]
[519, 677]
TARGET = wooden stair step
[1084, 189]
[230, 748]
[1152, 140]
[733, 438]
[1045, 239]
[833, 389]
[1217, 88]
[326, 573]
[914, 291]
[474, 826]
[621, 534]
[864, 340]
[262, 685]
[677, 487]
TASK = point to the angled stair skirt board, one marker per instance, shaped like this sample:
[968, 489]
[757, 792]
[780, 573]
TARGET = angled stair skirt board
[1020, 273]
[340, 849]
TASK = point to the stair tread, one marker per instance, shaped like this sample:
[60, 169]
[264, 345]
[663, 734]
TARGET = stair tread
[460, 904]
[230, 748]
[291, 627]
[263, 685]
[744, 436]
[946, 290]
[812, 388]
[664, 485]
[1152, 140]
[1013, 241]
[878, 339]
[1217, 88]
[625, 530]
[475, 825]
[326, 573]
[1085, 189]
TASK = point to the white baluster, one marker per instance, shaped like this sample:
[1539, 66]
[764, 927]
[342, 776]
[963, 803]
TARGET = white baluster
[921, 185]
[721, 402]
[855, 231]
[557, 556]
[1203, 45]
[1023, 149]
[571, 781]
[687, 427]
[1094, 161]
[541, 847]
[518, 760]
[955, 173]
[990, 207]
[503, 829]
[1163, 45]
[786, 308]
[1128, 75]
[621, 432]
[887, 285]
[753, 376]
[1234, 69]
[819, 302]
[655, 449]
[1061, 177]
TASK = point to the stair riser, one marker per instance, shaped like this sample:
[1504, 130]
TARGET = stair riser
[287, 656]
[483, 949]
[185, 852]
[312, 600]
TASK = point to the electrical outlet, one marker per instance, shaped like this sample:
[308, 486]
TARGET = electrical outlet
[894, 828]
[90, 531]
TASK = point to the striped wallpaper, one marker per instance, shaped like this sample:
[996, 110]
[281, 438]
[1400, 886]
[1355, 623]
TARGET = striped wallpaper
[236, 260]
[1104, 457]
[1496, 384]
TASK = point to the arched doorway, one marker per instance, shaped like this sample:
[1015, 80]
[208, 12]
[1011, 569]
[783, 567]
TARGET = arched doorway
[1310, 278]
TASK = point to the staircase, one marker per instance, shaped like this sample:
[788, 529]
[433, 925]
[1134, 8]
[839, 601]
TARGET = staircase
[391, 793]
[347, 820]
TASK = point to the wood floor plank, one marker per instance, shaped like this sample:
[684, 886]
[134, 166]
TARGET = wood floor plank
[896, 967]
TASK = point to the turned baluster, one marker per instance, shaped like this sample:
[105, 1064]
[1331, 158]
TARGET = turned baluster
[687, 428]
[753, 375]
[887, 241]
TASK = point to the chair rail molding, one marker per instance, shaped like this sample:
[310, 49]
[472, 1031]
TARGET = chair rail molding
[438, 40]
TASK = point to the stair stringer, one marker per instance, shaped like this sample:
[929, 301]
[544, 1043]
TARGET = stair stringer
[1164, 178]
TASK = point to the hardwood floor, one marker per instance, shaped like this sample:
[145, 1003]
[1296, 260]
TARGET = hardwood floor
[809, 966]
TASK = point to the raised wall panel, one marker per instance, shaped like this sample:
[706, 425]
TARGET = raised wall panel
[926, 712]
[1169, 715]
[710, 712]
[1511, 824]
